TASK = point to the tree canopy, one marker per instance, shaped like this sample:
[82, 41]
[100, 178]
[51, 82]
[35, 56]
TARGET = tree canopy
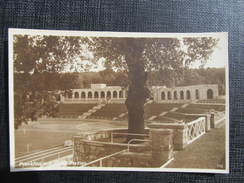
[137, 57]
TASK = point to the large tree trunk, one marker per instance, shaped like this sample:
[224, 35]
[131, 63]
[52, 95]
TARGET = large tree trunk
[137, 95]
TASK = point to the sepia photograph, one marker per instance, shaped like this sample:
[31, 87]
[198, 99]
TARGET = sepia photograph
[118, 101]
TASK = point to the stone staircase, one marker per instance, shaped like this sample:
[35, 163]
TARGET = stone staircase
[91, 111]
[163, 113]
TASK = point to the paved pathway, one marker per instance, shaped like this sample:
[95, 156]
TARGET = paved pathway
[206, 152]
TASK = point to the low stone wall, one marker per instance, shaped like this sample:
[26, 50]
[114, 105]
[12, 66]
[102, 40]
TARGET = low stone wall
[216, 118]
[157, 150]
[89, 147]
[86, 151]
[129, 159]
[179, 133]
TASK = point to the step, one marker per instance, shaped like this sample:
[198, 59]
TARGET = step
[152, 118]
[174, 109]
[163, 113]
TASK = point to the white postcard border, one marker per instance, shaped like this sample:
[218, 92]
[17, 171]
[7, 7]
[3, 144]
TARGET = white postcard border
[13, 31]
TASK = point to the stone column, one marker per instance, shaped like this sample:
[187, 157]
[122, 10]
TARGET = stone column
[208, 122]
[112, 94]
[212, 120]
[162, 146]
[180, 137]
[99, 94]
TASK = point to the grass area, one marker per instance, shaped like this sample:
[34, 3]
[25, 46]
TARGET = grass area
[110, 111]
[156, 109]
[220, 101]
[73, 110]
[206, 152]
[39, 140]
[206, 107]
[176, 116]
[47, 134]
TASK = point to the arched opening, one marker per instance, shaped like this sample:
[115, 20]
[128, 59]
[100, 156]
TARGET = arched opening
[188, 95]
[162, 96]
[83, 95]
[108, 94]
[197, 94]
[76, 94]
[121, 94]
[175, 95]
[181, 95]
[89, 94]
[169, 95]
[96, 94]
[102, 94]
[115, 94]
[210, 94]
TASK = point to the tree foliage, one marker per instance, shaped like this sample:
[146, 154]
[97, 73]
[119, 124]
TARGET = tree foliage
[136, 57]
[140, 56]
[38, 61]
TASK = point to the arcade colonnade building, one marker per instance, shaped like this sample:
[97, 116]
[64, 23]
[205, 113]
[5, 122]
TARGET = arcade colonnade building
[184, 93]
[95, 94]
[98, 93]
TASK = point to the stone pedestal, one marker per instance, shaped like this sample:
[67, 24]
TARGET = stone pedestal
[180, 138]
[179, 133]
[212, 120]
[162, 146]
[208, 122]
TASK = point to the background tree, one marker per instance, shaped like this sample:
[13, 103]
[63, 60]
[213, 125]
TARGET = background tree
[140, 56]
[38, 65]
[135, 56]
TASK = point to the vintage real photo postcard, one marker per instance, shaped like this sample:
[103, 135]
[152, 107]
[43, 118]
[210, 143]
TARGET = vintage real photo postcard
[118, 101]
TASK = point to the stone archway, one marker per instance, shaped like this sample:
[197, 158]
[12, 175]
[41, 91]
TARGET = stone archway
[197, 93]
[89, 95]
[175, 95]
[102, 94]
[181, 95]
[162, 96]
[95, 94]
[188, 95]
[115, 95]
[77, 95]
[169, 95]
[108, 94]
[209, 94]
[83, 95]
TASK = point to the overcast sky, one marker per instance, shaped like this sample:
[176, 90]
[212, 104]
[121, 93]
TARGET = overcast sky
[216, 60]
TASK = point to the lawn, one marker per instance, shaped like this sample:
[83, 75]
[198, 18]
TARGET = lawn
[207, 152]
[47, 134]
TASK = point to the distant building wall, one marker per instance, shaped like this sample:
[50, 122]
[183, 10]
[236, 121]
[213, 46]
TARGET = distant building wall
[195, 92]
[97, 93]
[116, 94]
